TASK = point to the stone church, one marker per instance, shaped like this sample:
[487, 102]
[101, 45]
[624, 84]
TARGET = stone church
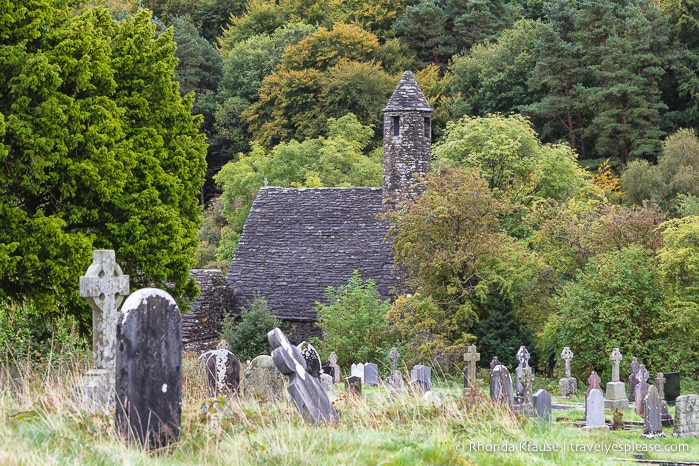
[298, 241]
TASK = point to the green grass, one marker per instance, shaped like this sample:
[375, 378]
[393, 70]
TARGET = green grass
[40, 424]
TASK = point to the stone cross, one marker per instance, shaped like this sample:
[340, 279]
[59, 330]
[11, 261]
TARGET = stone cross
[306, 392]
[641, 388]
[104, 287]
[567, 356]
[471, 356]
[523, 357]
[661, 385]
[616, 358]
[332, 359]
[393, 355]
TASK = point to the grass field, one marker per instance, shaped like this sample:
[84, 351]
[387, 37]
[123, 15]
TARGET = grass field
[41, 424]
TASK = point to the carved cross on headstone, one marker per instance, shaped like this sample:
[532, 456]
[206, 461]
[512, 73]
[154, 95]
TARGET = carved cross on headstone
[104, 287]
[523, 357]
[332, 359]
[393, 355]
[567, 356]
[616, 358]
[471, 357]
[527, 380]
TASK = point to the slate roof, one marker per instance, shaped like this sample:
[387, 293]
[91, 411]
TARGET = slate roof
[297, 242]
[407, 96]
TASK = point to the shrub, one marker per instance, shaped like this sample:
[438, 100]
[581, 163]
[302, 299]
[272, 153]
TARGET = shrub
[248, 338]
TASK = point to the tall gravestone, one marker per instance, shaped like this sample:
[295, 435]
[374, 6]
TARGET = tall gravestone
[421, 377]
[332, 362]
[523, 358]
[149, 369]
[567, 385]
[593, 382]
[660, 383]
[501, 386]
[594, 416]
[357, 370]
[633, 367]
[525, 404]
[371, 374]
[104, 286]
[672, 387]
[471, 357]
[652, 414]
[306, 392]
[641, 388]
[395, 380]
[615, 397]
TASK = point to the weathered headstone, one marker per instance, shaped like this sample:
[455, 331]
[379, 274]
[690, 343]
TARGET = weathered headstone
[501, 386]
[357, 370]
[104, 287]
[395, 380]
[652, 414]
[594, 417]
[307, 394]
[326, 381]
[615, 396]
[353, 385]
[262, 380]
[593, 382]
[525, 403]
[542, 404]
[634, 366]
[495, 362]
[470, 357]
[149, 369]
[686, 416]
[332, 362]
[312, 358]
[665, 416]
[222, 370]
[371, 374]
[523, 358]
[421, 377]
[672, 387]
[567, 385]
[641, 388]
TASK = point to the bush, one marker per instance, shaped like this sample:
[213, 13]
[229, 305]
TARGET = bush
[248, 338]
[354, 323]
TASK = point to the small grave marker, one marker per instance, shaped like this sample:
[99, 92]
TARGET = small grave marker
[470, 357]
[353, 385]
[312, 358]
[263, 381]
[686, 416]
[542, 404]
[371, 374]
[421, 377]
[594, 417]
[222, 370]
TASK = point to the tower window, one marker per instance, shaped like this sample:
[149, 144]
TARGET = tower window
[427, 127]
[396, 126]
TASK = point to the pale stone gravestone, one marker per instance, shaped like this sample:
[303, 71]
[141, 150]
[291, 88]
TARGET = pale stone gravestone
[672, 387]
[495, 362]
[615, 397]
[353, 385]
[593, 382]
[104, 287]
[326, 381]
[395, 380]
[660, 383]
[523, 358]
[371, 374]
[149, 369]
[312, 358]
[305, 390]
[686, 416]
[525, 403]
[357, 370]
[641, 388]
[567, 385]
[421, 377]
[634, 366]
[332, 362]
[594, 417]
[470, 357]
[501, 386]
[262, 380]
[652, 414]
[542, 404]
[222, 370]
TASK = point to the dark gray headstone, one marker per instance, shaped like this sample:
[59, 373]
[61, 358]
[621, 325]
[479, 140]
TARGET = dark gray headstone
[371, 374]
[542, 404]
[421, 377]
[330, 370]
[222, 371]
[501, 386]
[672, 387]
[313, 364]
[305, 390]
[353, 385]
[634, 366]
[652, 414]
[149, 369]
[641, 388]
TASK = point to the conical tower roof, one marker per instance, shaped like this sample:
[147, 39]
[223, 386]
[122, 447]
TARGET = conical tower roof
[407, 96]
